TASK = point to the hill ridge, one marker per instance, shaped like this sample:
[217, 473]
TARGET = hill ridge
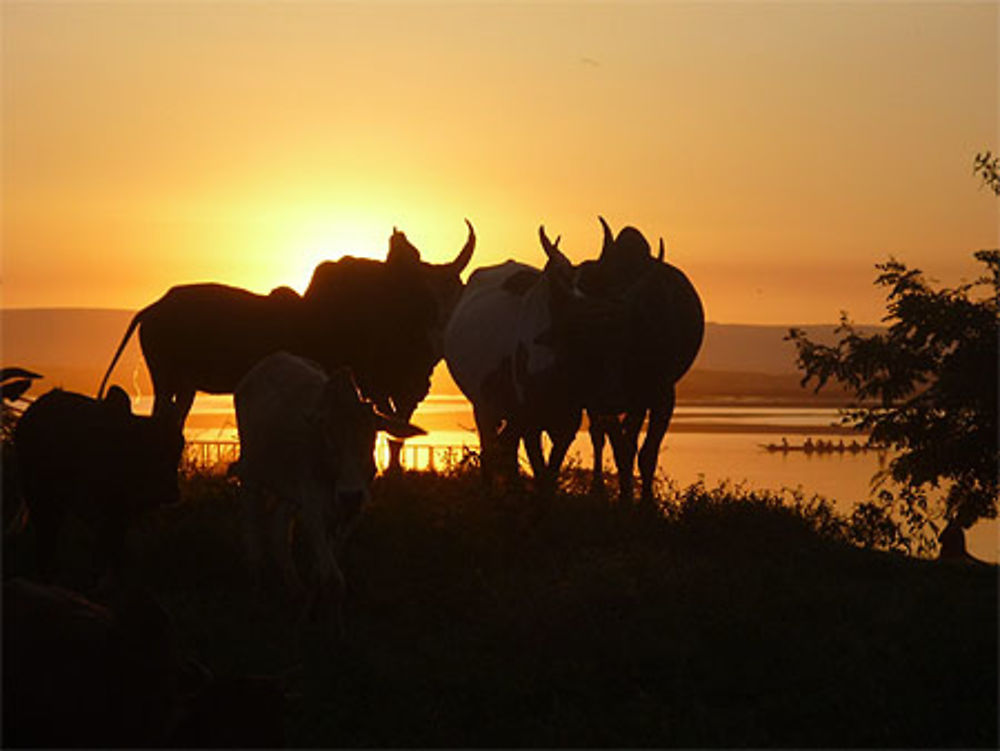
[73, 346]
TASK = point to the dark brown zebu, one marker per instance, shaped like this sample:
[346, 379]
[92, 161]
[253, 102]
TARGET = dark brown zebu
[663, 329]
[383, 319]
[94, 459]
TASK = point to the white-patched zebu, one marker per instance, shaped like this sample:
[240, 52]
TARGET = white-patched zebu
[307, 445]
[524, 348]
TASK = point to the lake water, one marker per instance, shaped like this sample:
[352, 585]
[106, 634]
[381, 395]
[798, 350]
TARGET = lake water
[706, 443]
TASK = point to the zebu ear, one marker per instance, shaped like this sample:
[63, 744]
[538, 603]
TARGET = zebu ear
[547, 245]
[396, 427]
[552, 251]
[117, 399]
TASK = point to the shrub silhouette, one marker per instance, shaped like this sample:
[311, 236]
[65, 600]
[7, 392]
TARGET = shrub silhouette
[927, 387]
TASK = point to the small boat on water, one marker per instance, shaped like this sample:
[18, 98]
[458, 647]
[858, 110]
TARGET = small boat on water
[822, 447]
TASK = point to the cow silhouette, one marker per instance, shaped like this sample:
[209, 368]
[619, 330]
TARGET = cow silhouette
[665, 326]
[95, 459]
[383, 319]
[524, 348]
[306, 454]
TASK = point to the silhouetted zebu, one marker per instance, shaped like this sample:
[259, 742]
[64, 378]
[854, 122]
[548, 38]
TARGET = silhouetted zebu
[307, 443]
[524, 348]
[383, 319]
[97, 460]
[665, 325]
[391, 316]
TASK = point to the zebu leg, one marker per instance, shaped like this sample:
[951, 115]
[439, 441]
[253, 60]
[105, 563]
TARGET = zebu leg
[508, 441]
[597, 436]
[163, 393]
[404, 412]
[252, 508]
[489, 444]
[327, 587]
[659, 421]
[395, 465]
[536, 456]
[182, 405]
[279, 532]
[562, 437]
[625, 449]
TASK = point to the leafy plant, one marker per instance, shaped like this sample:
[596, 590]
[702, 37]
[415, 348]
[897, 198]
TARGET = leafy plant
[927, 387]
[987, 166]
[13, 383]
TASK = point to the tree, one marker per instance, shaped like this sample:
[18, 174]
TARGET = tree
[988, 167]
[926, 387]
[13, 383]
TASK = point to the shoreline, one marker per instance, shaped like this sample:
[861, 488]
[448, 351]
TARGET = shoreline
[449, 414]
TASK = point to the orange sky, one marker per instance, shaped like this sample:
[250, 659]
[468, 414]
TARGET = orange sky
[781, 149]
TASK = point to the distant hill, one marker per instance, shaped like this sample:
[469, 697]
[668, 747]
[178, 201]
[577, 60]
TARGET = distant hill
[73, 347]
[757, 349]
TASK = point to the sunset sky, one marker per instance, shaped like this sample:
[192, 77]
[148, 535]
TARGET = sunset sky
[780, 149]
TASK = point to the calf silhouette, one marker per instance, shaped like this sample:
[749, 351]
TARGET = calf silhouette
[94, 459]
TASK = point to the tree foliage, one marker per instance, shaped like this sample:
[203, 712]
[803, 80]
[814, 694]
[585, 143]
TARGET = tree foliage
[987, 166]
[13, 383]
[927, 386]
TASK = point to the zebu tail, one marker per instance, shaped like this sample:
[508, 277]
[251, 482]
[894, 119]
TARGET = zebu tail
[136, 319]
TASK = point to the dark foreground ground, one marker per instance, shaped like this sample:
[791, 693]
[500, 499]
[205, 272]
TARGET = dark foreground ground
[728, 621]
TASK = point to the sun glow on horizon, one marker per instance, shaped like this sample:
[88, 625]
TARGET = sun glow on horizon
[362, 233]
[267, 239]
[330, 239]
[152, 145]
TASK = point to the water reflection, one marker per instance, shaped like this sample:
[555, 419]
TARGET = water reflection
[705, 443]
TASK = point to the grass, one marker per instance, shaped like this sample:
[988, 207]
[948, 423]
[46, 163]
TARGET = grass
[730, 618]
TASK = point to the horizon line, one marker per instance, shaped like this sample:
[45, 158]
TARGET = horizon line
[78, 308]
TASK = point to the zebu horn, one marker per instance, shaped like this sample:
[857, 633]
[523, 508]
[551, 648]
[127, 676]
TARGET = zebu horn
[547, 244]
[464, 255]
[659, 256]
[552, 248]
[609, 239]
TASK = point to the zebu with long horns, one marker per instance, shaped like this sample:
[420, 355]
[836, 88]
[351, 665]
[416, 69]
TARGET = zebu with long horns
[384, 319]
[524, 348]
[664, 331]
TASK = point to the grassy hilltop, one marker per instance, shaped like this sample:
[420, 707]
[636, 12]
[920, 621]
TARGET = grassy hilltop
[731, 619]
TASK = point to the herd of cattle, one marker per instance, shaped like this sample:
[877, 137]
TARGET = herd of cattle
[314, 377]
